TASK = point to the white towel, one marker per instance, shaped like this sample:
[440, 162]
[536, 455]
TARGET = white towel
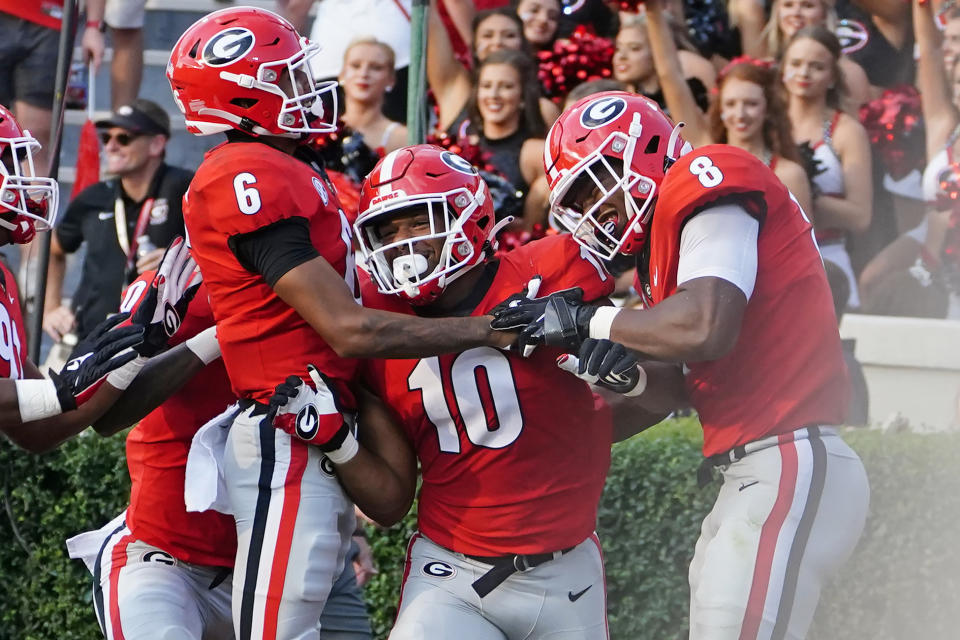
[86, 546]
[205, 487]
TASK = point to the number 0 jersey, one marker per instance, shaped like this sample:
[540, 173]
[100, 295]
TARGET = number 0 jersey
[238, 189]
[786, 370]
[513, 451]
[157, 453]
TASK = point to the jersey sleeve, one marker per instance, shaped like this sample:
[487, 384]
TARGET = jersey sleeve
[243, 193]
[714, 174]
[565, 264]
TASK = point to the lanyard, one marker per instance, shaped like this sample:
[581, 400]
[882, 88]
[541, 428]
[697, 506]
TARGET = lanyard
[120, 219]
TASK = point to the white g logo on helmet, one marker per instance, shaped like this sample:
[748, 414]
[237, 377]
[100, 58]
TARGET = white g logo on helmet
[228, 46]
[600, 112]
[457, 163]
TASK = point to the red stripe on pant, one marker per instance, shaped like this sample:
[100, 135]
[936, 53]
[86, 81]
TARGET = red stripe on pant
[603, 573]
[281, 552]
[769, 535]
[118, 560]
[406, 570]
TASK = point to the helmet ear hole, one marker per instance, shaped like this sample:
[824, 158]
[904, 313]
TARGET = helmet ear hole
[483, 222]
[653, 145]
[244, 103]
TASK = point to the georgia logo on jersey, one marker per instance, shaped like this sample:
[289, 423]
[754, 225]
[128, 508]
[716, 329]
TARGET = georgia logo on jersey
[602, 111]
[321, 190]
[227, 46]
[438, 570]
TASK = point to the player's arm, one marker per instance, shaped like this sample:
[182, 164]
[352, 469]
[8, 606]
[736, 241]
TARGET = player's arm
[382, 478]
[160, 378]
[283, 254]
[716, 274]
[700, 321]
[38, 413]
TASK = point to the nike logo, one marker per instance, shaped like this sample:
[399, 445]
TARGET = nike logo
[105, 215]
[744, 485]
[576, 596]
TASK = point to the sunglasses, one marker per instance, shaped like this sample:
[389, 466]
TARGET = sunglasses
[123, 139]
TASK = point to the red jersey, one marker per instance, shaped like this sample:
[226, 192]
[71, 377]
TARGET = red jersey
[13, 337]
[47, 13]
[786, 370]
[240, 188]
[157, 454]
[513, 451]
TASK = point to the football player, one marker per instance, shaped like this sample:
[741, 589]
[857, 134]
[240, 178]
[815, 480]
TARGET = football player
[513, 451]
[275, 249]
[735, 289]
[161, 571]
[39, 413]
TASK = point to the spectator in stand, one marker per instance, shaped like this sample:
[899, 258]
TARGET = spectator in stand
[633, 63]
[338, 22]
[452, 82]
[29, 38]
[787, 17]
[125, 221]
[747, 112]
[505, 120]
[877, 36]
[541, 18]
[836, 144]
[367, 75]
[125, 20]
[909, 276]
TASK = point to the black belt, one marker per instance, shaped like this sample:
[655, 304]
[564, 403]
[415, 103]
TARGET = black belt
[502, 567]
[259, 408]
[705, 470]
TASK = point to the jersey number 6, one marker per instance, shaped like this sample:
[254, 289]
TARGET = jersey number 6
[248, 198]
[499, 391]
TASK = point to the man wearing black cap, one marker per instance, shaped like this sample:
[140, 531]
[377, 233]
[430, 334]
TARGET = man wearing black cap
[126, 221]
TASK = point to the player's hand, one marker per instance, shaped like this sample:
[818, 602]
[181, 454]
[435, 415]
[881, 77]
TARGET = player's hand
[313, 415]
[106, 348]
[606, 364]
[58, 322]
[165, 304]
[560, 319]
[363, 563]
[150, 261]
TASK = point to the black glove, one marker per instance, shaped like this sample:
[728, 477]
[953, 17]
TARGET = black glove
[106, 348]
[165, 304]
[526, 313]
[606, 364]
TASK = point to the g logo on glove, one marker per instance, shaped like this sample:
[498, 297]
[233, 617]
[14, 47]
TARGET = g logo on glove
[308, 422]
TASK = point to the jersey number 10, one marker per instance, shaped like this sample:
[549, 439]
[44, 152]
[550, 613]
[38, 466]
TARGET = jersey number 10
[463, 375]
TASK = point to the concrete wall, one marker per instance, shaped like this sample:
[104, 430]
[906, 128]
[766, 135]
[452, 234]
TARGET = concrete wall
[912, 367]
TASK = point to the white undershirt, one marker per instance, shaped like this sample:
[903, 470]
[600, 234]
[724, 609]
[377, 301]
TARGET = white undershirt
[720, 242]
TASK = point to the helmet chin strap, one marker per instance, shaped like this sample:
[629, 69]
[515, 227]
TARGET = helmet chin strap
[671, 143]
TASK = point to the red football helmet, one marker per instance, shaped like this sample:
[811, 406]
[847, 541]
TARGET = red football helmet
[28, 203]
[442, 182]
[611, 142]
[248, 69]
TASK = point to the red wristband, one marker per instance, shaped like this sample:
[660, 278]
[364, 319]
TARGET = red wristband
[96, 24]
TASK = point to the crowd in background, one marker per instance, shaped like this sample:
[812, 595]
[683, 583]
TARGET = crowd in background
[854, 104]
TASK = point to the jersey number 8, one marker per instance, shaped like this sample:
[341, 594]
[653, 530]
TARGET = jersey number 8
[707, 173]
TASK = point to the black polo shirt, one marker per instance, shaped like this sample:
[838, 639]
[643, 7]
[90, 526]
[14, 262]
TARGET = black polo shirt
[90, 218]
